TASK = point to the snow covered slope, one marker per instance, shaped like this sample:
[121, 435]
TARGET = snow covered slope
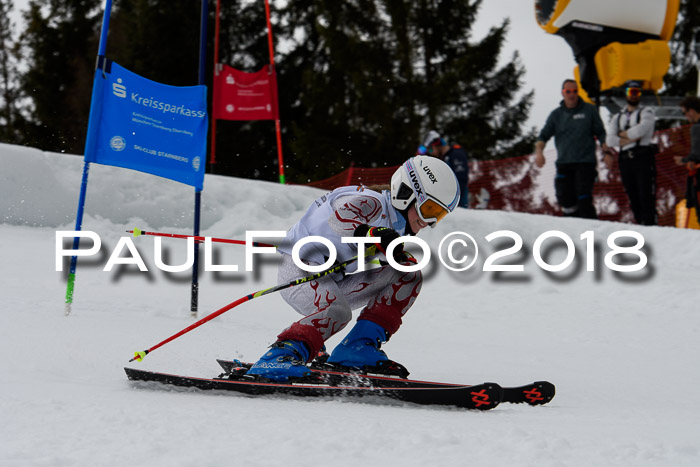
[622, 348]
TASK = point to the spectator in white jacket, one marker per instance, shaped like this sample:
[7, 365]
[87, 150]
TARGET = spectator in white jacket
[631, 130]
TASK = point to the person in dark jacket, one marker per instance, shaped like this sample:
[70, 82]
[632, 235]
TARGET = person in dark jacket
[575, 126]
[454, 156]
[691, 110]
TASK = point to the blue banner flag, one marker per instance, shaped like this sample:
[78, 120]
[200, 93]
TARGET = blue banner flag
[147, 126]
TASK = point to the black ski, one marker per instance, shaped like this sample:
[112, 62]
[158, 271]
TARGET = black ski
[484, 396]
[537, 393]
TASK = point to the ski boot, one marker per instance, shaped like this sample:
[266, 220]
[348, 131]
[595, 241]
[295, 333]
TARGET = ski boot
[360, 350]
[284, 362]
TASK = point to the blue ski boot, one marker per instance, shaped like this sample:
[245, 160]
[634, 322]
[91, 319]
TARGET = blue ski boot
[360, 350]
[284, 362]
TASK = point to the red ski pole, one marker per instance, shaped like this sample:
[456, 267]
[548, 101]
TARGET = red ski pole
[137, 232]
[140, 355]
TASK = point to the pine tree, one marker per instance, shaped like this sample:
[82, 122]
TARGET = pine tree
[341, 89]
[60, 44]
[157, 39]
[362, 80]
[468, 97]
[11, 121]
[682, 77]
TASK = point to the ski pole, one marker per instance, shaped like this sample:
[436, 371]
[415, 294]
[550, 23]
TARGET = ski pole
[140, 355]
[137, 232]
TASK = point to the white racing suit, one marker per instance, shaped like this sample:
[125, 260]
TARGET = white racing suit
[384, 293]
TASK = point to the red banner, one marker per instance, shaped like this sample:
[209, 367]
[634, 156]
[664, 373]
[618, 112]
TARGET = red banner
[245, 96]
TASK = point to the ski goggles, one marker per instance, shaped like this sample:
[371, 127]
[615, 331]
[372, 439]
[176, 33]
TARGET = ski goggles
[431, 212]
[424, 150]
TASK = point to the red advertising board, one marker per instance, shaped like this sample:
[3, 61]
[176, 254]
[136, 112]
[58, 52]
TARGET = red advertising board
[245, 96]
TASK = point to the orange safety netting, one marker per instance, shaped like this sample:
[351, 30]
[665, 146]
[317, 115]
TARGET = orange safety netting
[515, 184]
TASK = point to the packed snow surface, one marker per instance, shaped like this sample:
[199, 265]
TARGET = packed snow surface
[622, 347]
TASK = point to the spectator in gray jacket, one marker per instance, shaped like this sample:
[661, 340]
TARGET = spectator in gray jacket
[574, 125]
[632, 130]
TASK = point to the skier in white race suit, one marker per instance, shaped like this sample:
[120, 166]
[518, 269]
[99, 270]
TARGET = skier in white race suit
[422, 192]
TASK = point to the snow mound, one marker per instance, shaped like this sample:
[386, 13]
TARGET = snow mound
[621, 347]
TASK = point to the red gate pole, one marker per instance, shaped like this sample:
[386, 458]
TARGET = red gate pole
[272, 66]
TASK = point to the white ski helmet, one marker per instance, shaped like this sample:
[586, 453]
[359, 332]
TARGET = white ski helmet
[429, 182]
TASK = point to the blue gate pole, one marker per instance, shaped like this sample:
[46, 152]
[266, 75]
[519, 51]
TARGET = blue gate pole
[194, 295]
[86, 165]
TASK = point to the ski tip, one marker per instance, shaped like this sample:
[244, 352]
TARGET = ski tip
[537, 393]
[547, 390]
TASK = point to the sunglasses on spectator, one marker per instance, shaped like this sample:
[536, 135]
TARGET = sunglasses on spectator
[571, 91]
[633, 92]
